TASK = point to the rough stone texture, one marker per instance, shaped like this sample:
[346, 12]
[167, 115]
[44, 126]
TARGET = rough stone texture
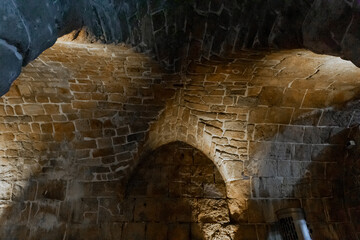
[30, 28]
[10, 65]
[177, 195]
[351, 188]
[276, 126]
[79, 119]
[179, 32]
[71, 128]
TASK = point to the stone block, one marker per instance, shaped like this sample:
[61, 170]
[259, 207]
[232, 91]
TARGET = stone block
[156, 231]
[51, 189]
[64, 127]
[146, 210]
[201, 159]
[265, 132]
[290, 134]
[232, 169]
[267, 168]
[238, 210]
[255, 211]
[271, 96]
[175, 209]
[57, 232]
[264, 209]
[346, 230]
[292, 98]
[103, 152]
[318, 170]
[321, 188]
[133, 231]
[258, 150]
[178, 231]
[196, 232]
[335, 118]
[24, 190]
[213, 190]
[6, 189]
[280, 151]
[200, 68]
[291, 169]
[335, 210]
[327, 153]
[317, 99]
[302, 152]
[213, 211]
[84, 105]
[264, 187]
[279, 115]
[235, 125]
[183, 156]
[238, 135]
[323, 230]
[245, 232]
[33, 109]
[81, 232]
[111, 230]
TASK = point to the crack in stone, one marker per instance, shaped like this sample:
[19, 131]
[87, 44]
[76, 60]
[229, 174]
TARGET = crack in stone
[317, 71]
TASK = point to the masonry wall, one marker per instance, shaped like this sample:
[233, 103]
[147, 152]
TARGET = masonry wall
[71, 129]
[80, 119]
[177, 193]
[276, 125]
[351, 182]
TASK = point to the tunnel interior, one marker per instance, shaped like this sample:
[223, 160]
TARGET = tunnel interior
[195, 119]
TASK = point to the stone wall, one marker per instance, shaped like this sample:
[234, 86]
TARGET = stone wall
[71, 129]
[178, 31]
[275, 124]
[351, 182]
[178, 193]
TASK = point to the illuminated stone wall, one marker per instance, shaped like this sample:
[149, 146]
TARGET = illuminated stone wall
[275, 124]
[71, 127]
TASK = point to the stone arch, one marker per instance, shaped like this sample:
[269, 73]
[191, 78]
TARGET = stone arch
[297, 124]
[177, 190]
[177, 123]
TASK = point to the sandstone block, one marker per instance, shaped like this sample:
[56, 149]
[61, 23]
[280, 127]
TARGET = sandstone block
[213, 211]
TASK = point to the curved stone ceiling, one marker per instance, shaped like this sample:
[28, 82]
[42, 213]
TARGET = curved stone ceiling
[178, 31]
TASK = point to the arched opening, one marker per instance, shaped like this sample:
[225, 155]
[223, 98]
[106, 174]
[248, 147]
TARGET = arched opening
[275, 133]
[177, 193]
[275, 123]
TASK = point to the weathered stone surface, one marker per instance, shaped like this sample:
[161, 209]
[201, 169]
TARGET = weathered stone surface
[322, 26]
[13, 20]
[325, 26]
[10, 65]
[64, 123]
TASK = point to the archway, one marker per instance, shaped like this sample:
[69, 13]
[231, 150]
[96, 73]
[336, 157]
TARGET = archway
[178, 193]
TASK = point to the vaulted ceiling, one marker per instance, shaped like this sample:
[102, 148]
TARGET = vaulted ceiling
[178, 31]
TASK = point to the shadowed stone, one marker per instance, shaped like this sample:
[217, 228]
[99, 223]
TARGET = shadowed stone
[10, 65]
